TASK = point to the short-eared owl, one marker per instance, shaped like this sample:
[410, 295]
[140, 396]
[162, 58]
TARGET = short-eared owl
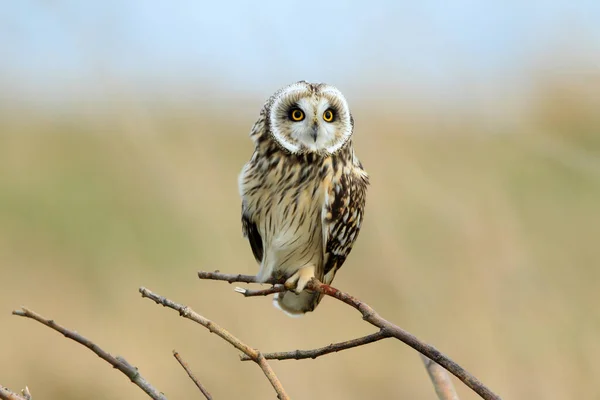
[303, 190]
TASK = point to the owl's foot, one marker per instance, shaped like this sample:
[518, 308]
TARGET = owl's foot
[300, 279]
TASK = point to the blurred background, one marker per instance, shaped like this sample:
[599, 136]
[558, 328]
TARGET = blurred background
[124, 124]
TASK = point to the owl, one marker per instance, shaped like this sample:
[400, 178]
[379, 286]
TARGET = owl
[303, 190]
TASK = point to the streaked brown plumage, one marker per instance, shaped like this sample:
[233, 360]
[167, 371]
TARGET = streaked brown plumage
[303, 191]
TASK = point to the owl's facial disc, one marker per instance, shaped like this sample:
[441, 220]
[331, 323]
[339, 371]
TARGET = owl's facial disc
[311, 118]
[312, 131]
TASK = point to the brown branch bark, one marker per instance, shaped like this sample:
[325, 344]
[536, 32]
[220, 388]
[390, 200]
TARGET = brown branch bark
[371, 316]
[254, 354]
[332, 348]
[187, 369]
[117, 362]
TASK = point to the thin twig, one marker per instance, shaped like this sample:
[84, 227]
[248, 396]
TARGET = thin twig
[191, 375]
[231, 278]
[440, 379]
[260, 292]
[254, 354]
[375, 319]
[117, 362]
[332, 348]
[7, 394]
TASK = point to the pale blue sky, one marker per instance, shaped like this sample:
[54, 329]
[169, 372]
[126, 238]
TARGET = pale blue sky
[47, 46]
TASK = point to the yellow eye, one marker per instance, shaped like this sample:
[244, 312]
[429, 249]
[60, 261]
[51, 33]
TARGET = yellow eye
[296, 114]
[328, 116]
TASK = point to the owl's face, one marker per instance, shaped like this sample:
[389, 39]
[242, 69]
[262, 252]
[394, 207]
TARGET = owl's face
[305, 118]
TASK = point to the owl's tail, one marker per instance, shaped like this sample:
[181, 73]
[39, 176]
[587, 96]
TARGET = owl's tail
[296, 305]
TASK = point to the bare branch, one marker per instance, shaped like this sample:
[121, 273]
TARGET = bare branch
[117, 362]
[7, 394]
[254, 354]
[427, 350]
[191, 375]
[440, 379]
[332, 348]
[375, 319]
[438, 375]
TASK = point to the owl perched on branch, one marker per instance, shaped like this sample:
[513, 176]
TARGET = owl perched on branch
[303, 190]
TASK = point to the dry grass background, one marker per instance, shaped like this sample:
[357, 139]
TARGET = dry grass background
[481, 237]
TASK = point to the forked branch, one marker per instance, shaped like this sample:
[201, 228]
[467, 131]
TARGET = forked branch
[370, 315]
[254, 354]
[117, 362]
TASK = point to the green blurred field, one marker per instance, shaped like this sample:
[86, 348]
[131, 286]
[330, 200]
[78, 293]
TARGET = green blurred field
[481, 238]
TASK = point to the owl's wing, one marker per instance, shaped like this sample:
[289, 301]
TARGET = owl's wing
[342, 217]
[250, 231]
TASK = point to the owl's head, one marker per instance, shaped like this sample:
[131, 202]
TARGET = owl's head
[309, 117]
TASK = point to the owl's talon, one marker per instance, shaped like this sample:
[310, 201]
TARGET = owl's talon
[300, 279]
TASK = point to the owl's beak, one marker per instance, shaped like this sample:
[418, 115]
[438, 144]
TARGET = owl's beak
[315, 131]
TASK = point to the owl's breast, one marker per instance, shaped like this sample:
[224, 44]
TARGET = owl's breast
[286, 202]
